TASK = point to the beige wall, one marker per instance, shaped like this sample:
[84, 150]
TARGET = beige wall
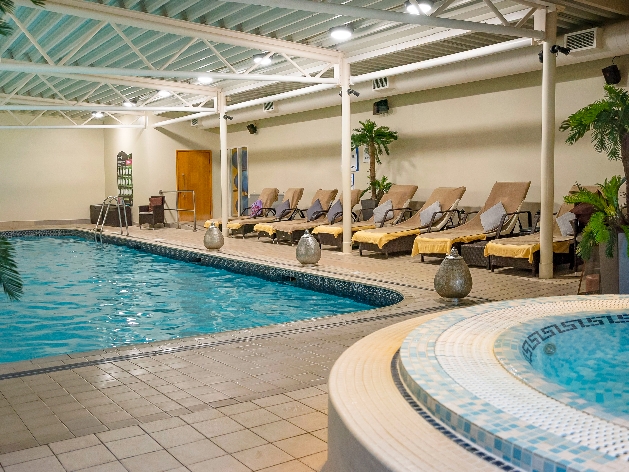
[154, 159]
[469, 135]
[50, 174]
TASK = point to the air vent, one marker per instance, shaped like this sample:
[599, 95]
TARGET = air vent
[268, 107]
[194, 122]
[582, 40]
[380, 84]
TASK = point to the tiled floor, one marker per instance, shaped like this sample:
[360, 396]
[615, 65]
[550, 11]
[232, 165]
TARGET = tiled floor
[247, 400]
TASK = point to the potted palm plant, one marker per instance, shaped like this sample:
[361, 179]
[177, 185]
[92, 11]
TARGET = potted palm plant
[376, 139]
[608, 121]
[9, 276]
[607, 230]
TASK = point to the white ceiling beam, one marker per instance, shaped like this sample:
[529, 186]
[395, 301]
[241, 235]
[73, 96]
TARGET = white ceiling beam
[88, 36]
[71, 126]
[140, 82]
[182, 28]
[499, 15]
[194, 116]
[620, 7]
[105, 108]
[395, 17]
[131, 45]
[32, 39]
[219, 55]
[442, 8]
[175, 56]
[55, 70]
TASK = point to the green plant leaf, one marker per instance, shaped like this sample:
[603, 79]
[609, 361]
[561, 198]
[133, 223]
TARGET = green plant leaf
[9, 276]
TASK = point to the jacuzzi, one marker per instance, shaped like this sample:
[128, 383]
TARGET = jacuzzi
[541, 384]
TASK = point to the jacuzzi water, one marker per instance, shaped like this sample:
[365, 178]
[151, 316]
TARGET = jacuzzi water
[81, 296]
[591, 359]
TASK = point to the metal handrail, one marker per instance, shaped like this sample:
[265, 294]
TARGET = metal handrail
[118, 201]
[177, 209]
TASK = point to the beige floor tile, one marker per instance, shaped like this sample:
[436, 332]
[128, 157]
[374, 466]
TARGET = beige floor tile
[238, 408]
[315, 461]
[300, 446]
[199, 416]
[83, 458]
[177, 436]
[321, 434]
[196, 452]
[219, 464]
[161, 425]
[73, 444]
[238, 441]
[290, 409]
[25, 455]
[277, 431]
[292, 466]
[134, 446]
[217, 427]
[45, 464]
[250, 419]
[262, 456]
[311, 421]
[272, 400]
[121, 433]
[109, 467]
[319, 402]
[158, 461]
[304, 393]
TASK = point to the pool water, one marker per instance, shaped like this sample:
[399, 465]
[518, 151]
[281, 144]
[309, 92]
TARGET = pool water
[81, 296]
[591, 361]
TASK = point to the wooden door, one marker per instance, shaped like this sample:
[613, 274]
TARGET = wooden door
[194, 172]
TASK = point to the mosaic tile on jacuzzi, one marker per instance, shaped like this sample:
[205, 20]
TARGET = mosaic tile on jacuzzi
[484, 414]
[508, 350]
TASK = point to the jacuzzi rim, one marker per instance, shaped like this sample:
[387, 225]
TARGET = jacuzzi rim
[516, 364]
[424, 386]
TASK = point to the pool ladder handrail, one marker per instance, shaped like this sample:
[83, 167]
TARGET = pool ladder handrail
[100, 223]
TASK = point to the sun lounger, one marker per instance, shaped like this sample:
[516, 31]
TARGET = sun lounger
[269, 229]
[523, 251]
[268, 196]
[294, 229]
[400, 196]
[245, 226]
[437, 211]
[509, 195]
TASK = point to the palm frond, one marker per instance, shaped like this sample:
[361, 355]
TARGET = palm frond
[8, 6]
[9, 276]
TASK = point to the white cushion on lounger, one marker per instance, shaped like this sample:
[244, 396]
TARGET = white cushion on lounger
[426, 215]
[490, 219]
[381, 213]
[564, 223]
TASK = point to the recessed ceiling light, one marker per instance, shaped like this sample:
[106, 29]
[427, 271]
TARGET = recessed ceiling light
[129, 103]
[163, 94]
[205, 80]
[97, 114]
[425, 5]
[411, 8]
[341, 33]
[262, 59]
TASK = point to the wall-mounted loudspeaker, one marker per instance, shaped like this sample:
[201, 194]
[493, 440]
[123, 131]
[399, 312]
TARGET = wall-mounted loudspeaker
[381, 107]
[253, 129]
[612, 74]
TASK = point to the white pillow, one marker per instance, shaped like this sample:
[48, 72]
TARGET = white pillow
[381, 213]
[564, 224]
[426, 215]
[490, 219]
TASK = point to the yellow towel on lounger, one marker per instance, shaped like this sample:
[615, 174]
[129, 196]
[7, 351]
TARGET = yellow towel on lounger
[524, 247]
[266, 227]
[381, 236]
[423, 245]
[336, 230]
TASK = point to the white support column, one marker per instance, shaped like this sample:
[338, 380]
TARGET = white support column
[222, 105]
[346, 150]
[548, 147]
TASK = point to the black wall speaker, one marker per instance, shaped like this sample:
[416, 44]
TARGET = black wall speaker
[612, 74]
[253, 129]
[380, 107]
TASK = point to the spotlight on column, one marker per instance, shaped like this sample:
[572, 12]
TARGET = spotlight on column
[353, 92]
[227, 117]
[560, 49]
[612, 75]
